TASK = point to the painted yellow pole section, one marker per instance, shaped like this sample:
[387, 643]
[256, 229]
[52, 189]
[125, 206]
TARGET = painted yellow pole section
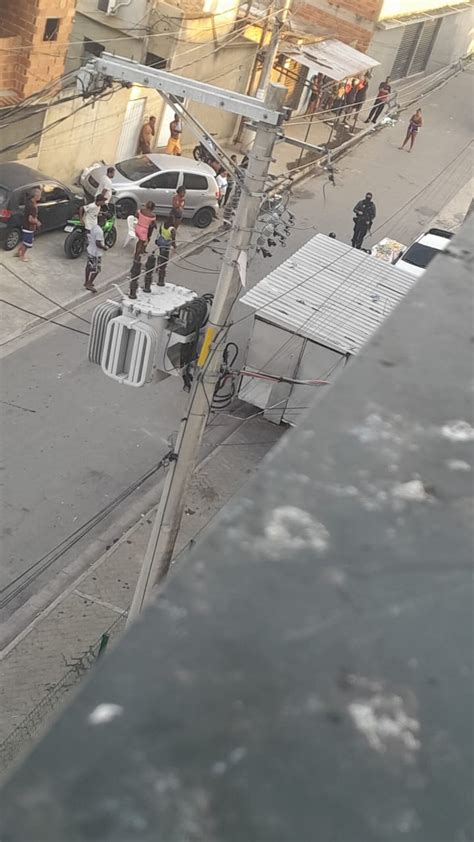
[159, 552]
[208, 337]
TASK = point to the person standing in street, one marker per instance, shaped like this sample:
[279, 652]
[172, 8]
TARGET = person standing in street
[360, 97]
[364, 216]
[414, 126]
[147, 134]
[89, 214]
[145, 220]
[95, 246]
[221, 181]
[230, 180]
[31, 223]
[174, 143]
[179, 200]
[384, 91]
[105, 185]
[165, 241]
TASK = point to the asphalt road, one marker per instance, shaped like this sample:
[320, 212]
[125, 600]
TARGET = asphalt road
[72, 439]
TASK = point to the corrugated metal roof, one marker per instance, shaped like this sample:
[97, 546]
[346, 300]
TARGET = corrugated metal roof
[333, 58]
[330, 293]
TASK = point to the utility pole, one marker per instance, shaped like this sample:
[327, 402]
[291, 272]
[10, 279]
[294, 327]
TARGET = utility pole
[165, 529]
[281, 9]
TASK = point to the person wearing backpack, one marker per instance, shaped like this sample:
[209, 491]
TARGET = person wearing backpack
[166, 240]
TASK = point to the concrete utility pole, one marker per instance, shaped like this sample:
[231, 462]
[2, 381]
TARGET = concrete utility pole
[165, 529]
[281, 8]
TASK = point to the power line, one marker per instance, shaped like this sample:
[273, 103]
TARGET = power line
[165, 18]
[43, 318]
[43, 295]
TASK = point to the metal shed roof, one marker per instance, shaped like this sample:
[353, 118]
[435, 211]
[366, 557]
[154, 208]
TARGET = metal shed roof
[330, 293]
[333, 58]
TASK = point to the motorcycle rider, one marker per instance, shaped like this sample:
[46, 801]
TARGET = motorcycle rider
[364, 216]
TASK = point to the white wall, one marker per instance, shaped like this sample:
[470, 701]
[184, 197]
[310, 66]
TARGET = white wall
[454, 40]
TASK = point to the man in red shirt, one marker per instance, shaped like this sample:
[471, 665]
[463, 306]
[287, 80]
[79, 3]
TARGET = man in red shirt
[380, 100]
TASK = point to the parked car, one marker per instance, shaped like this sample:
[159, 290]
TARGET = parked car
[155, 178]
[58, 203]
[417, 256]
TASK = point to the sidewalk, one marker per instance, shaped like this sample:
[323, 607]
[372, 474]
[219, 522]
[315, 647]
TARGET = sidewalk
[62, 280]
[46, 660]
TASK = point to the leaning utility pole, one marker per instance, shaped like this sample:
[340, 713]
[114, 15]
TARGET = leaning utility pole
[165, 529]
[281, 9]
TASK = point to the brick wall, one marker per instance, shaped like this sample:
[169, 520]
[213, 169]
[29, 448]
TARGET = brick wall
[8, 47]
[351, 22]
[39, 61]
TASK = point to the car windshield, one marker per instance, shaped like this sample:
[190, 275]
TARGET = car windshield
[419, 255]
[136, 168]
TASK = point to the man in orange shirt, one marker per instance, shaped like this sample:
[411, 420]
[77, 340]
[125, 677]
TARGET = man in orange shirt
[145, 141]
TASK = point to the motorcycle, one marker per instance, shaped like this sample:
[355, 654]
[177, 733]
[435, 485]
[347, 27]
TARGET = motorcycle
[76, 240]
[202, 153]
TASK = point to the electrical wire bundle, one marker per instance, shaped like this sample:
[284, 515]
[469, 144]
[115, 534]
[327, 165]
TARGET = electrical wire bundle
[223, 395]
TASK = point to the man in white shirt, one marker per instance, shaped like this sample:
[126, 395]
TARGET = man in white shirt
[89, 214]
[94, 248]
[221, 180]
[105, 185]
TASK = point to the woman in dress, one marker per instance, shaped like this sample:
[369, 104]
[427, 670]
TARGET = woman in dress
[179, 199]
[414, 126]
[145, 220]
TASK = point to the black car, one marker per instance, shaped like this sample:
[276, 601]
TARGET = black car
[58, 203]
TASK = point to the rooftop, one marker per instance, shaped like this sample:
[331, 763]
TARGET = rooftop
[330, 293]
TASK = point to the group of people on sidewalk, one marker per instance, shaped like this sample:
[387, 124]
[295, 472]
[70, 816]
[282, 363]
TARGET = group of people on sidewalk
[351, 98]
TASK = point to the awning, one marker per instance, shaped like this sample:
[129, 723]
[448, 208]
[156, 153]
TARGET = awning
[333, 58]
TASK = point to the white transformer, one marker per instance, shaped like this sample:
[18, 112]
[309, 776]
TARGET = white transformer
[150, 337]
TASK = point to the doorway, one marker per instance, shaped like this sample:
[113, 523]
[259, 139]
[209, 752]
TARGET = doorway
[127, 145]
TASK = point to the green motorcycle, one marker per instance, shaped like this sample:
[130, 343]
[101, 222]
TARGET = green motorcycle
[76, 240]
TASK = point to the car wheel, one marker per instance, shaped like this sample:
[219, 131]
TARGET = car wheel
[111, 238]
[12, 239]
[197, 153]
[125, 207]
[203, 218]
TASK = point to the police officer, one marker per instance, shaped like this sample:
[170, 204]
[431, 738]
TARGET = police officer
[364, 216]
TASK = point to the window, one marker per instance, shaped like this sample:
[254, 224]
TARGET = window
[51, 29]
[52, 193]
[425, 45]
[136, 168]
[92, 48]
[415, 48]
[153, 60]
[420, 255]
[194, 182]
[163, 181]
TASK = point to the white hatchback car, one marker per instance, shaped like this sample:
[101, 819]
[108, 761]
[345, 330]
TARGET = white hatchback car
[417, 256]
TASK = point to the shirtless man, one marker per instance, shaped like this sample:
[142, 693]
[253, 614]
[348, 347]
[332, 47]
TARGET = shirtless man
[174, 143]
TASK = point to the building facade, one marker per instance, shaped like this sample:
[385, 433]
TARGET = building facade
[420, 37]
[34, 39]
[198, 39]
[405, 36]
